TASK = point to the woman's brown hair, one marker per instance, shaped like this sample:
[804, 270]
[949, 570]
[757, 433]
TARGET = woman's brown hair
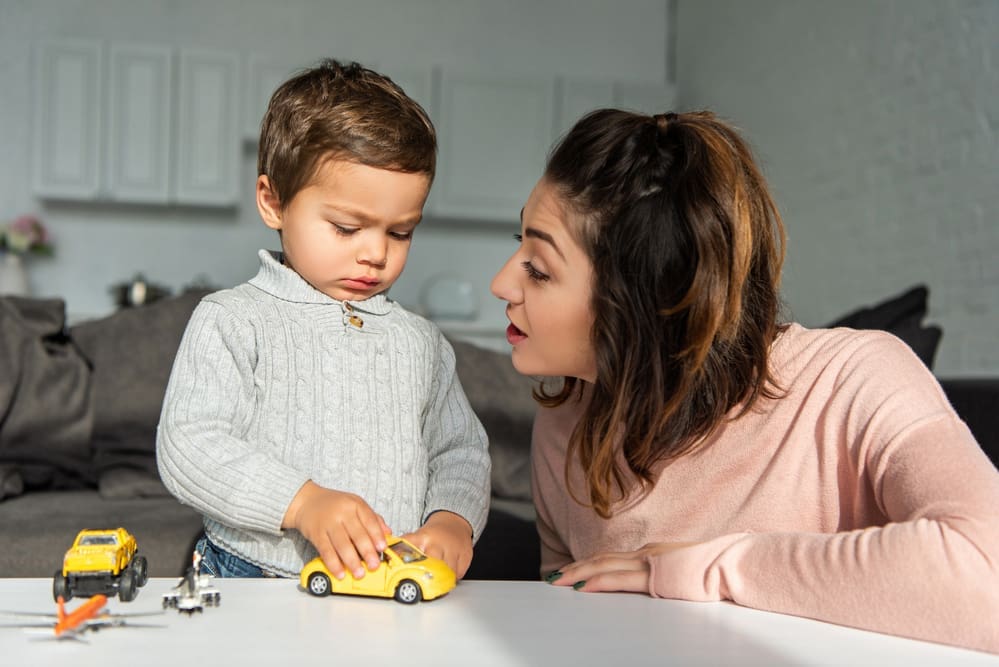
[342, 111]
[687, 247]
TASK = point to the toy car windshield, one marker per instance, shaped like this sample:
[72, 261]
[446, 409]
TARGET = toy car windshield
[95, 540]
[407, 553]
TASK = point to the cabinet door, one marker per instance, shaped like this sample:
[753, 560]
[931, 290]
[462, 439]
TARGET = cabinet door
[494, 136]
[68, 119]
[207, 165]
[644, 98]
[578, 98]
[140, 94]
[263, 75]
[423, 85]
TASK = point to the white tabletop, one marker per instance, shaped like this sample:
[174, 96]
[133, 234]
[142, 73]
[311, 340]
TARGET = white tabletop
[273, 622]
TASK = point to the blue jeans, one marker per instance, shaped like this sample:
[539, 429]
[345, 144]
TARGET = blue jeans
[218, 562]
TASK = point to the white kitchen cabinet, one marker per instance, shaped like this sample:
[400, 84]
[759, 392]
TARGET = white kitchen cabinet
[68, 119]
[494, 135]
[263, 76]
[579, 97]
[138, 133]
[207, 165]
[114, 123]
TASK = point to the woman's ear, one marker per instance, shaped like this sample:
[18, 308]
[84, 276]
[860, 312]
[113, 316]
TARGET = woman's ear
[268, 203]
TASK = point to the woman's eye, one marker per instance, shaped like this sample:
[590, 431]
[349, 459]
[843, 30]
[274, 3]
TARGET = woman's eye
[519, 238]
[533, 273]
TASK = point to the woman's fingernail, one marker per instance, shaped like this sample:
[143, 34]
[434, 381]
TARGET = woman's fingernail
[578, 585]
[553, 576]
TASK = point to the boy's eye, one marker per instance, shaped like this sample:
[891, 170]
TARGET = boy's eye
[401, 236]
[340, 229]
[533, 273]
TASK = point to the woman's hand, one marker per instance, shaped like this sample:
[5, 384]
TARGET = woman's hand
[447, 536]
[341, 526]
[623, 571]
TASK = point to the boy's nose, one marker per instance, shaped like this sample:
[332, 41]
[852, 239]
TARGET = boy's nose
[505, 285]
[373, 252]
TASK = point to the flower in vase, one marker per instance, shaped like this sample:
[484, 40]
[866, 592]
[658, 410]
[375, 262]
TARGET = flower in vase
[25, 234]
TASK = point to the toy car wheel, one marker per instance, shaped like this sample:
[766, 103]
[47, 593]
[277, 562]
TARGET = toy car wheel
[319, 584]
[127, 588]
[60, 587]
[141, 567]
[408, 592]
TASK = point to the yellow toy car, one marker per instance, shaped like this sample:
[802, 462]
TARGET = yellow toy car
[101, 561]
[405, 573]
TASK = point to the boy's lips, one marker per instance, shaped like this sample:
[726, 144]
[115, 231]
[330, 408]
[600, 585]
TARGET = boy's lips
[361, 283]
[514, 335]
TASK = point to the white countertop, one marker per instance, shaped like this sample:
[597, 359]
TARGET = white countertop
[272, 622]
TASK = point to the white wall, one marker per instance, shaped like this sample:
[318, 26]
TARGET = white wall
[878, 125]
[99, 245]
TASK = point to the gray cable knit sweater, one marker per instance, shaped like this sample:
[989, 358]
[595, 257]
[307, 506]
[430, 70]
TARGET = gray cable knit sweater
[276, 383]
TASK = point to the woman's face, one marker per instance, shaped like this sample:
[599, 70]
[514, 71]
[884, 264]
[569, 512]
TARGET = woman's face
[547, 285]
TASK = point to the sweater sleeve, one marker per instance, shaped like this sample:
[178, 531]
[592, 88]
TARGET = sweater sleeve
[202, 447]
[931, 572]
[456, 442]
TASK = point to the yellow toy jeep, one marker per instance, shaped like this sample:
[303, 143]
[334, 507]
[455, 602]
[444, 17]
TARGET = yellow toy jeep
[101, 561]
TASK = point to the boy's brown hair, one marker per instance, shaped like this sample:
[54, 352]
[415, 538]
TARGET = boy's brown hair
[341, 111]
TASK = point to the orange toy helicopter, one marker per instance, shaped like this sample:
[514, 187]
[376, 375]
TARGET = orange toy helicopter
[90, 615]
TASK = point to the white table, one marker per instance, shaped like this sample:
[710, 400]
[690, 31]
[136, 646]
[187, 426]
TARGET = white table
[272, 622]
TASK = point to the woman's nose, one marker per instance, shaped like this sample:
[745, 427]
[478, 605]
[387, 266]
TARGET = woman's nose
[505, 284]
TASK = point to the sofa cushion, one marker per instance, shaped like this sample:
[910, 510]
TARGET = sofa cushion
[132, 353]
[501, 397]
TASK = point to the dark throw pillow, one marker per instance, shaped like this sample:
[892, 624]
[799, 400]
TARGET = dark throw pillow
[45, 408]
[901, 315]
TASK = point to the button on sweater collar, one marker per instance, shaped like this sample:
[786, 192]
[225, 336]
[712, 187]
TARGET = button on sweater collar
[283, 283]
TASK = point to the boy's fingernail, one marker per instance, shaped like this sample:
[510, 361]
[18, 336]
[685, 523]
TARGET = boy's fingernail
[578, 585]
[552, 576]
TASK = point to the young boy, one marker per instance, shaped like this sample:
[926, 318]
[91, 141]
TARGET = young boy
[304, 405]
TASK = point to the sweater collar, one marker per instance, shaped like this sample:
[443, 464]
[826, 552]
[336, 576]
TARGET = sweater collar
[283, 283]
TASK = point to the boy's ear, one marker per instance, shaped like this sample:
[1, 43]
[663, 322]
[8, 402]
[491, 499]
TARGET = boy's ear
[268, 203]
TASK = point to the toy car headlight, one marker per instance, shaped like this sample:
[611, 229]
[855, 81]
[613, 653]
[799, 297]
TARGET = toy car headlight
[428, 575]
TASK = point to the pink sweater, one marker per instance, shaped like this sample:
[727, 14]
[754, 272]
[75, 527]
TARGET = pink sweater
[860, 498]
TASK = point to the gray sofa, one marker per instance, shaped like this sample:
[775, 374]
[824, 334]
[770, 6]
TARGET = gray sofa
[78, 414]
[79, 406]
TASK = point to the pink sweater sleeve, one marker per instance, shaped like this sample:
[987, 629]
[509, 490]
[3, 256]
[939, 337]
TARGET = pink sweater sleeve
[931, 572]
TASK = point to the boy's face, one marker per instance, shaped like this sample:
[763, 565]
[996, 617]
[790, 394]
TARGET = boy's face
[348, 232]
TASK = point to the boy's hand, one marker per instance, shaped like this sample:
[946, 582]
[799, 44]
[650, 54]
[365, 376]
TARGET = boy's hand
[447, 536]
[341, 526]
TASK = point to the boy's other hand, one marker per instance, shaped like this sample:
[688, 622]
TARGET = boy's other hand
[447, 536]
[346, 532]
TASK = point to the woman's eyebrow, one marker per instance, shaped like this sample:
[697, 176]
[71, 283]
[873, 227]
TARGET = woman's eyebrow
[543, 236]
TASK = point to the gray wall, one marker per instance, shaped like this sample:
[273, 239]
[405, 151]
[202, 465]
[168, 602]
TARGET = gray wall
[878, 126]
[98, 245]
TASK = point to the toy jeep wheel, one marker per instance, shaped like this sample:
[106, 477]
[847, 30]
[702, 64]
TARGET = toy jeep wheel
[141, 570]
[319, 584]
[60, 587]
[127, 588]
[408, 592]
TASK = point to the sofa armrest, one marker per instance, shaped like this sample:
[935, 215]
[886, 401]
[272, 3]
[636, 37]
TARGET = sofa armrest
[976, 401]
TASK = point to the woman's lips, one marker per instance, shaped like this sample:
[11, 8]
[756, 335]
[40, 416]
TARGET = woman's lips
[514, 335]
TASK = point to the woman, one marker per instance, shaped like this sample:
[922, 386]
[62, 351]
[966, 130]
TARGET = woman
[700, 449]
